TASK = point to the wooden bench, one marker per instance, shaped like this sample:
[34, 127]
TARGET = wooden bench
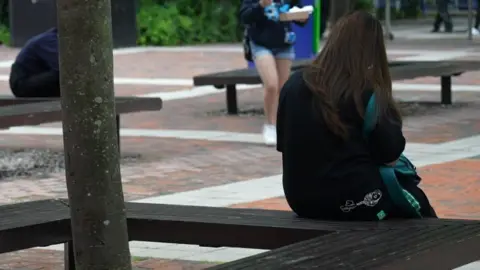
[36, 111]
[34, 224]
[197, 225]
[442, 248]
[400, 70]
[44, 223]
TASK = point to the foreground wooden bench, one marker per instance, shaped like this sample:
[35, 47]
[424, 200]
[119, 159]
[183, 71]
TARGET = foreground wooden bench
[400, 70]
[442, 248]
[246, 228]
[44, 223]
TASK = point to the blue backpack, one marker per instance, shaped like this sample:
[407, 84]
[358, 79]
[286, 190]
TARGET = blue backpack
[403, 169]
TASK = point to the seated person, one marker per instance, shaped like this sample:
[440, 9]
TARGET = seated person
[35, 70]
[330, 170]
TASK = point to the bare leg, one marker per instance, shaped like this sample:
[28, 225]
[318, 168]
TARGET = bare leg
[266, 67]
[283, 70]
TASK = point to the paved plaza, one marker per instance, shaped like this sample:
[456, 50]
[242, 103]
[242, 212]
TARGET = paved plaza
[191, 153]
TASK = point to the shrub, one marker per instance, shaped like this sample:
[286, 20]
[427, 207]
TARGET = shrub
[366, 5]
[187, 22]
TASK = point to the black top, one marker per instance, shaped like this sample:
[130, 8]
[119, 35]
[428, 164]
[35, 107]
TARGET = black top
[40, 53]
[261, 30]
[320, 170]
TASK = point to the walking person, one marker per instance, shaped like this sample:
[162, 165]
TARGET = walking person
[324, 16]
[442, 16]
[476, 27]
[271, 44]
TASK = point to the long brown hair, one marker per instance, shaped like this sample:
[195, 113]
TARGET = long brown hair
[353, 60]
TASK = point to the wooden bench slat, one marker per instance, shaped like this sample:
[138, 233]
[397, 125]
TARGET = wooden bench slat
[445, 247]
[32, 224]
[39, 112]
[31, 213]
[11, 100]
[242, 227]
[399, 69]
[265, 217]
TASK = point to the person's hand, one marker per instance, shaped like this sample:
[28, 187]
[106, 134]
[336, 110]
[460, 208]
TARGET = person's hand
[265, 3]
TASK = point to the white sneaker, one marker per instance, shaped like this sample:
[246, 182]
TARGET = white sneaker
[475, 32]
[270, 135]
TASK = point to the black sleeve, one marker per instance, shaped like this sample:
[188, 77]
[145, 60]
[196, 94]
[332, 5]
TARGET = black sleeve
[386, 141]
[290, 84]
[251, 11]
[296, 3]
[281, 116]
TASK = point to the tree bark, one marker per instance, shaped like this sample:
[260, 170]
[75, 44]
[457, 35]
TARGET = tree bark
[94, 185]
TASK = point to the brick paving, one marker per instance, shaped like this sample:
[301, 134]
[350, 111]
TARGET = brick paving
[169, 166]
[190, 166]
[176, 64]
[53, 260]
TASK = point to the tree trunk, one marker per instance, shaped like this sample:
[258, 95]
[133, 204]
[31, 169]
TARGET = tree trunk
[338, 8]
[94, 185]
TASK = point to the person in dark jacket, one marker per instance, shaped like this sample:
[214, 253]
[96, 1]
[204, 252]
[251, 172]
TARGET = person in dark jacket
[330, 170]
[271, 43]
[35, 72]
[476, 27]
[442, 16]
[324, 15]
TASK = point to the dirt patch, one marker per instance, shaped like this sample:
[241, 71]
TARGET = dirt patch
[38, 163]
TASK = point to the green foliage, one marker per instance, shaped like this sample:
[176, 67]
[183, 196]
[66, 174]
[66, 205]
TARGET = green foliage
[366, 5]
[179, 22]
[4, 34]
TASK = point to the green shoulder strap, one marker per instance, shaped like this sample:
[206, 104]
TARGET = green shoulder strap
[401, 198]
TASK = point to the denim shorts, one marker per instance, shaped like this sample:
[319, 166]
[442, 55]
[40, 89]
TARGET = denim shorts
[287, 53]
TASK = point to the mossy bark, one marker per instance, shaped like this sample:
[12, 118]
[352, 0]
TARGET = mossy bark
[94, 185]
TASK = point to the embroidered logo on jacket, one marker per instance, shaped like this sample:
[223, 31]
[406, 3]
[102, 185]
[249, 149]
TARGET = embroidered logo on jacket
[371, 199]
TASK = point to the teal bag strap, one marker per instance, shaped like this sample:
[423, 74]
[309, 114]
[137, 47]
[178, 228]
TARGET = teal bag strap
[401, 198]
[370, 117]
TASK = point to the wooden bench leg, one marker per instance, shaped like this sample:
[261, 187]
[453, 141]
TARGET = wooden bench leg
[446, 94]
[117, 118]
[232, 99]
[69, 257]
